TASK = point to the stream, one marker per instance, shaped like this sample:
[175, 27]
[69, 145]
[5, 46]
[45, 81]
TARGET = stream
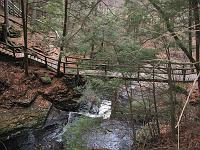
[110, 134]
[49, 137]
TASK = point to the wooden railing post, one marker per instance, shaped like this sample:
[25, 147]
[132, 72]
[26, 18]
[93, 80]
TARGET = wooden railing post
[14, 53]
[46, 64]
[105, 67]
[138, 72]
[77, 70]
[64, 65]
[66, 60]
[184, 72]
[108, 66]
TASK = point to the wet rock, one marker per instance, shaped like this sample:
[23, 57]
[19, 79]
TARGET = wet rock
[89, 106]
[65, 99]
[35, 139]
[56, 117]
[26, 102]
[73, 116]
[74, 81]
[112, 135]
[18, 118]
[94, 109]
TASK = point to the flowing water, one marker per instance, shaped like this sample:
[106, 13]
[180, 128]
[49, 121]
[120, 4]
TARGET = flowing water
[49, 137]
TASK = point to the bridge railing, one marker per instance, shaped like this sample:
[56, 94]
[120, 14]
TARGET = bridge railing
[74, 65]
[13, 10]
[78, 64]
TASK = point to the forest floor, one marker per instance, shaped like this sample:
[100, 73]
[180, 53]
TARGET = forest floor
[189, 137]
[189, 127]
[26, 101]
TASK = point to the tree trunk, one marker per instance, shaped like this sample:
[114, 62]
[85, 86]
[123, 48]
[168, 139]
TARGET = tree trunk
[131, 118]
[24, 20]
[171, 97]
[5, 26]
[190, 27]
[63, 37]
[197, 31]
[190, 20]
[92, 50]
[93, 33]
[114, 104]
[155, 102]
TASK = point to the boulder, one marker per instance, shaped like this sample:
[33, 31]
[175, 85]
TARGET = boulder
[19, 118]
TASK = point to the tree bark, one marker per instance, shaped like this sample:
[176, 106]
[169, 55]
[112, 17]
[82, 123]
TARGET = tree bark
[171, 97]
[190, 23]
[93, 33]
[5, 26]
[197, 32]
[63, 37]
[24, 20]
[155, 102]
[131, 118]
[190, 27]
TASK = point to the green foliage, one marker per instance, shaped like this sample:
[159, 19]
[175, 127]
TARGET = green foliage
[143, 134]
[105, 87]
[88, 94]
[73, 139]
[46, 79]
[179, 89]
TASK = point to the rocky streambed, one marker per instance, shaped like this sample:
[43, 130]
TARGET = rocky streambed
[110, 134]
[35, 115]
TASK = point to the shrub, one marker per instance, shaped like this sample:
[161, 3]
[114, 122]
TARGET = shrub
[73, 136]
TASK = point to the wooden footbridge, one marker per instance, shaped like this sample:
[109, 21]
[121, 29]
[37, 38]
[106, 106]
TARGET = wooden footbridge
[154, 70]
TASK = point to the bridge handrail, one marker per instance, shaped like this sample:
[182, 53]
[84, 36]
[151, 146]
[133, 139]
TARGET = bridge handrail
[34, 52]
[77, 65]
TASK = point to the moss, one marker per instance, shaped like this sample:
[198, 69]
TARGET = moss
[180, 90]
[18, 118]
[73, 136]
[15, 121]
[46, 79]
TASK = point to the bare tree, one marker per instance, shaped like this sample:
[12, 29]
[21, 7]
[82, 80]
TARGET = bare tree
[171, 96]
[6, 20]
[197, 30]
[24, 20]
[63, 37]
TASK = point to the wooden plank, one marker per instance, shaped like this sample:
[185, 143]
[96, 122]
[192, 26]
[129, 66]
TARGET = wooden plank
[158, 72]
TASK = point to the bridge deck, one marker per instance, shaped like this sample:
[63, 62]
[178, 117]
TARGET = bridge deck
[181, 72]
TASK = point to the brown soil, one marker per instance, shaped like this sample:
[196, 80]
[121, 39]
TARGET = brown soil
[22, 87]
[20, 106]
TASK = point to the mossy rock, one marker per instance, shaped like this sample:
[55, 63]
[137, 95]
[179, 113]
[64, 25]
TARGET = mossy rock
[46, 79]
[15, 119]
